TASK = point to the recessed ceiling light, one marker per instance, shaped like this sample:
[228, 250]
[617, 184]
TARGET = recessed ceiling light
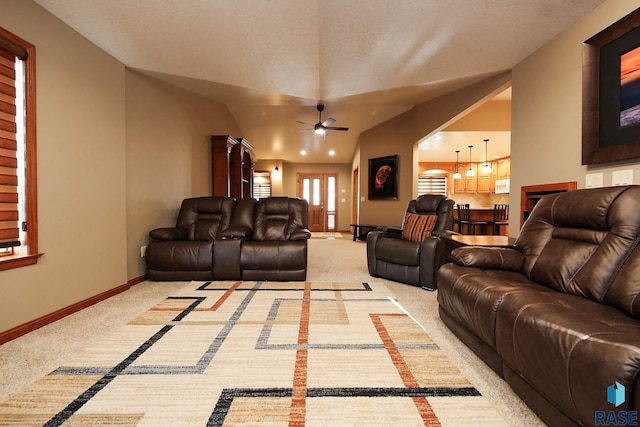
[303, 152]
[332, 153]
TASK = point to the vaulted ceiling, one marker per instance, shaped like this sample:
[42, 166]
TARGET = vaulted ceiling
[272, 61]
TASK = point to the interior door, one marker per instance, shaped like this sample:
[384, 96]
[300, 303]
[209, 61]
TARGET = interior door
[319, 190]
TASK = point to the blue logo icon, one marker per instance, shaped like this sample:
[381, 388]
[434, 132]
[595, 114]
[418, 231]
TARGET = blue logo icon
[616, 394]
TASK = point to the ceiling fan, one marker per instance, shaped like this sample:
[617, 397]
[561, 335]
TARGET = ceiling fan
[321, 127]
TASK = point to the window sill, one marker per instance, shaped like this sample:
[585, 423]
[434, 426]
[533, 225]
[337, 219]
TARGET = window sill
[17, 261]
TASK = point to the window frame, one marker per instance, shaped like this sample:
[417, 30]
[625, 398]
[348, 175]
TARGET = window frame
[30, 197]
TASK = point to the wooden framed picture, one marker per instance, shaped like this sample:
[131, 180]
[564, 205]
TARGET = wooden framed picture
[383, 178]
[611, 93]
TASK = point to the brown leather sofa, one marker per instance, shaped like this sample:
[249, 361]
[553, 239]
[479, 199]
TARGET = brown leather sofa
[557, 315]
[221, 238]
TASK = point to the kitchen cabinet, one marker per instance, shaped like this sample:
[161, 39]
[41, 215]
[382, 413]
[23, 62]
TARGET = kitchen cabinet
[503, 168]
[486, 180]
[466, 184]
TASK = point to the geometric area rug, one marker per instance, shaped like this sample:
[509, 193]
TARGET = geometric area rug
[227, 353]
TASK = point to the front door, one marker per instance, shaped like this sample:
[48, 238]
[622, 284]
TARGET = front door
[319, 190]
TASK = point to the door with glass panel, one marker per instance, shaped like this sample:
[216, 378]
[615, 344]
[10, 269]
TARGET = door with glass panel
[319, 189]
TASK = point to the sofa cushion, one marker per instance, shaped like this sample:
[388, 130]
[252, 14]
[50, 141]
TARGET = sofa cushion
[575, 242]
[578, 344]
[204, 218]
[472, 296]
[417, 227]
[241, 224]
[278, 218]
[274, 255]
[180, 255]
[398, 251]
[624, 292]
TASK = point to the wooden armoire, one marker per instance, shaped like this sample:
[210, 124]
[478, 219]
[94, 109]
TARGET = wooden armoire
[232, 161]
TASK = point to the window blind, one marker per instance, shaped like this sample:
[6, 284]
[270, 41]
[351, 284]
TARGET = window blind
[432, 184]
[261, 185]
[9, 230]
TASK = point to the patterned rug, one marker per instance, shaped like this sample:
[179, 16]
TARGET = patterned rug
[259, 353]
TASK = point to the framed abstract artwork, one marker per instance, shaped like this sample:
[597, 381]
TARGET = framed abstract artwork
[383, 178]
[611, 93]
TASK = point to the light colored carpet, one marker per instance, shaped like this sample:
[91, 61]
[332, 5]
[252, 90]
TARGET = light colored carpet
[29, 358]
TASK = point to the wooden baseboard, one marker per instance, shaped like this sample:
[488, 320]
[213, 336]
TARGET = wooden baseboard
[38, 323]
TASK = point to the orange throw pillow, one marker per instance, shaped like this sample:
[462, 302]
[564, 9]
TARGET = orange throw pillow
[417, 227]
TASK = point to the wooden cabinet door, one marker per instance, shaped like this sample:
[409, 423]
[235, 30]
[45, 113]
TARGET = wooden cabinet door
[504, 168]
[484, 184]
[471, 182]
[485, 180]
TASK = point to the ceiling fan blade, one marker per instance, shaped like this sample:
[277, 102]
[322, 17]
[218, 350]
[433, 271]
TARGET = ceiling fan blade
[328, 122]
[304, 123]
[336, 128]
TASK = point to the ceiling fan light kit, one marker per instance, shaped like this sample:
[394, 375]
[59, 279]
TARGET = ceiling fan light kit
[321, 127]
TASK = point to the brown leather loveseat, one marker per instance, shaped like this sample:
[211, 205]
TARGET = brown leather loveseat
[221, 238]
[557, 316]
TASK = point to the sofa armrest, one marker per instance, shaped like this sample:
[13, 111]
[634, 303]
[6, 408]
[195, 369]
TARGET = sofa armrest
[391, 232]
[300, 234]
[431, 249]
[496, 258]
[168, 233]
[236, 232]
[390, 229]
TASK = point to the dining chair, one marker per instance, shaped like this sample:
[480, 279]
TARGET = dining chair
[500, 217]
[464, 216]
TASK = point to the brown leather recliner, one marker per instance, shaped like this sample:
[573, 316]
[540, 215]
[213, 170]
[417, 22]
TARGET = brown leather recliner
[558, 315]
[277, 249]
[391, 257]
[185, 252]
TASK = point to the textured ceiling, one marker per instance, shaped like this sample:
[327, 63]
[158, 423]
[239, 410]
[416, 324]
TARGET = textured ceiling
[272, 61]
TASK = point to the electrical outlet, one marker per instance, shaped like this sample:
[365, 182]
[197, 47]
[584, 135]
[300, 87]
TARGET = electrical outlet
[594, 180]
[622, 177]
[143, 251]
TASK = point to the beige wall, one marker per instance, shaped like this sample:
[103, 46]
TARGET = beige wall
[490, 116]
[168, 155]
[546, 138]
[81, 170]
[269, 165]
[400, 136]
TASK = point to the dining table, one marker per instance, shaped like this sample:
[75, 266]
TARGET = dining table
[480, 214]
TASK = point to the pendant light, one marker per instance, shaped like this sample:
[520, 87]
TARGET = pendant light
[457, 175]
[470, 172]
[486, 168]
